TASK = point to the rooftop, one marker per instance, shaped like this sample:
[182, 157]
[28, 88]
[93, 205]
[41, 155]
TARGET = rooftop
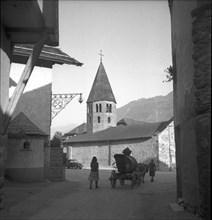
[135, 131]
[21, 125]
[47, 57]
[101, 89]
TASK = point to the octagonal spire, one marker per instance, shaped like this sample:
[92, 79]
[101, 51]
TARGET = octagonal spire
[101, 89]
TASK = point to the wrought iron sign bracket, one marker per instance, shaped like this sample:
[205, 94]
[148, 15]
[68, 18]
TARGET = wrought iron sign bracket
[59, 102]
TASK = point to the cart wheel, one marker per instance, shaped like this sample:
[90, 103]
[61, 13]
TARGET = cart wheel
[113, 183]
[122, 182]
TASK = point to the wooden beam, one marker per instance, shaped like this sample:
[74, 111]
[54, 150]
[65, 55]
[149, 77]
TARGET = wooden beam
[23, 80]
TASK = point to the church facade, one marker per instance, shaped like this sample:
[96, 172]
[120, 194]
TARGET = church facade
[146, 141]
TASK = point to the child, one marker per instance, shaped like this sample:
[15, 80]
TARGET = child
[94, 173]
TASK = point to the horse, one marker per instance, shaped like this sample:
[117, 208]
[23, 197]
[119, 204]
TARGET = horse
[142, 169]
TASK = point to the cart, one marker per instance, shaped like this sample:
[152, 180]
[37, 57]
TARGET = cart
[125, 168]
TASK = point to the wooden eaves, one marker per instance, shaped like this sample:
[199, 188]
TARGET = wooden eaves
[47, 57]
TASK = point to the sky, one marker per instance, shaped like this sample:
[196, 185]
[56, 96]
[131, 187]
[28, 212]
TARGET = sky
[135, 39]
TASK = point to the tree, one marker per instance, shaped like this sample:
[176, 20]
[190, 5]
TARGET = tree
[57, 139]
[170, 74]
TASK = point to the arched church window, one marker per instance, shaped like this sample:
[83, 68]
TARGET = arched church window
[99, 119]
[97, 108]
[100, 107]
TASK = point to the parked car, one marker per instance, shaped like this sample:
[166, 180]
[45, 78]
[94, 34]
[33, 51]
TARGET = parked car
[73, 164]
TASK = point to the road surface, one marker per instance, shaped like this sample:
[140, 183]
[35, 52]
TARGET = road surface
[73, 199]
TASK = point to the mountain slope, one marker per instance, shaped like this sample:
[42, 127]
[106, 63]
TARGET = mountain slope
[158, 108]
[155, 109]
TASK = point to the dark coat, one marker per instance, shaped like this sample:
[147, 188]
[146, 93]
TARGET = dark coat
[152, 168]
[94, 173]
[94, 166]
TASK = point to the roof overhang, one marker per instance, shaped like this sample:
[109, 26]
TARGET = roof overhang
[24, 21]
[48, 56]
[111, 140]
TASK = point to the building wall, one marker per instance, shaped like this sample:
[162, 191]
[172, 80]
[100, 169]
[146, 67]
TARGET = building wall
[5, 51]
[25, 165]
[191, 37]
[92, 116]
[5, 55]
[142, 150]
[201, 30]
[36, 105]
[182, 48]
[166, 142]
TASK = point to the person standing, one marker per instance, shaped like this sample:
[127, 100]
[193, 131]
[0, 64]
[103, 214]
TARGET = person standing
[94, 173]
[152, 168]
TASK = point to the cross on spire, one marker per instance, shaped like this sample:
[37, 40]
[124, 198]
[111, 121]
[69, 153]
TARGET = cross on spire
[101, 55]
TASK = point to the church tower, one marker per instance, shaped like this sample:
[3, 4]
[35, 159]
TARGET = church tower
[101, 103]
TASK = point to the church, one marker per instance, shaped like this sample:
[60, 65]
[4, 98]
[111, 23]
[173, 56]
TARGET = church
[103, 137]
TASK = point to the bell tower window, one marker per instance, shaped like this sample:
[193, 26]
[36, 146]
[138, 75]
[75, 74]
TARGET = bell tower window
[98, 107]
[108, 107]
[98, 119]
[89, 109]
[109, 120]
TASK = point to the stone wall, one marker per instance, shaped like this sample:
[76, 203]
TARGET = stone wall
[143, 150]
[166, 145]
[57, 169]
[191, 33]
[182, 50]
[201, 32]
[84, 153]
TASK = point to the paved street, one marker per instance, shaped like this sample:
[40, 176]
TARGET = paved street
[72, 199]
